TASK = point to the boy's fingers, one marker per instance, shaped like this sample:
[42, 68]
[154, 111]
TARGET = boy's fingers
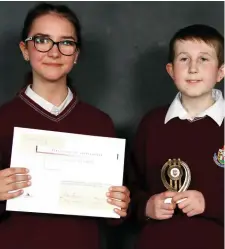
[187, 209]
[183, 204]
[191, 213]
[167, 206]
[167, 212]
[168, 194]
[180, 195]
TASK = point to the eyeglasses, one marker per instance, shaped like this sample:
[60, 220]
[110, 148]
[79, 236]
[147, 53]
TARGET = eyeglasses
[44, 44]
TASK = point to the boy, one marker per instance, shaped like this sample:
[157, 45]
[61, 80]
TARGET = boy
[192, 130]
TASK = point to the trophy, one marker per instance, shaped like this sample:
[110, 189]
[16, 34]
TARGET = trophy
[176, 176]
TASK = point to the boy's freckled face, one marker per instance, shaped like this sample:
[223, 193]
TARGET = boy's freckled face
[195, 68]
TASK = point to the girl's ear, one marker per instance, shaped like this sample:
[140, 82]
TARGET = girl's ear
[76, 56]
[24, 50]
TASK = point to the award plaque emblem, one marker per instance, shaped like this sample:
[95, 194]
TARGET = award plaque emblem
[176, 176]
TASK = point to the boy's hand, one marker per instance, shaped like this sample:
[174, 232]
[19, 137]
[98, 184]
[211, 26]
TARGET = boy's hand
[194, 203]
[12, 179]
[157, 209]
[120, 197]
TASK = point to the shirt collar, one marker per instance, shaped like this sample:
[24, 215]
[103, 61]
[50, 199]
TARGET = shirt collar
[216, 111]
[47, 105]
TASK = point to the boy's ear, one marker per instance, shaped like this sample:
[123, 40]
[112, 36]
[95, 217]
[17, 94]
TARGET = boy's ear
[24, 51]
[220, 74]
[169, 69]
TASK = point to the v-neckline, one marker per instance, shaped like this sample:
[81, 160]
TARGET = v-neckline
[22, 95]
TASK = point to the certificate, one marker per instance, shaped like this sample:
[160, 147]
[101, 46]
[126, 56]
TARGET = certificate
[70, 173]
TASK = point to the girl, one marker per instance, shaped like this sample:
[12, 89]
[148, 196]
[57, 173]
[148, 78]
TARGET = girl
[51, 42]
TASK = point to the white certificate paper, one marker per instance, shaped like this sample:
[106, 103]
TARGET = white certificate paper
[70, 173]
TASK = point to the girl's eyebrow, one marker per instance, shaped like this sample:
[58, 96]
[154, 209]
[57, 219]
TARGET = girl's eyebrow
[67, 37]
[61, 37]
[41, 34]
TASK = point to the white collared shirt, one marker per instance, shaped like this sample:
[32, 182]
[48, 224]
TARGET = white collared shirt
[216, 111]
[55, 110]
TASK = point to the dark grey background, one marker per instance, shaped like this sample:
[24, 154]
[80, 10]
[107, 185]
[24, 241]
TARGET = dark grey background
[121, 69]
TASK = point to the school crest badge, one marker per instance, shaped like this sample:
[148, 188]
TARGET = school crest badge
[220, 157]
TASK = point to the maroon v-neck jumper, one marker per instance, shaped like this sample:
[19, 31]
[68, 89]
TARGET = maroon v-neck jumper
[194, 143]
[42, 231]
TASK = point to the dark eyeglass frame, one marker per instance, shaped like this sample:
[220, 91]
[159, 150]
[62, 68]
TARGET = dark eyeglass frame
[32, 38]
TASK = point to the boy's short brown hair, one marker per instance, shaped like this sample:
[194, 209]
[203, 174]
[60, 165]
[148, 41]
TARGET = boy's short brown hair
[199, 32]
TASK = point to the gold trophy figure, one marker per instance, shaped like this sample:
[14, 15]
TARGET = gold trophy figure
[176, 176]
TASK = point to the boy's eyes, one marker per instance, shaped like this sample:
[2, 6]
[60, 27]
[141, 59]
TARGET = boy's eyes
[201, 58]
[204, 59]
[183, 59]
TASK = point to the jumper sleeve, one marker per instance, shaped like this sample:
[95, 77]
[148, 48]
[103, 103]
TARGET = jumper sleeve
[214, 203]
[110, 131]
[136, 175]
[3, 165]
[6, 133]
